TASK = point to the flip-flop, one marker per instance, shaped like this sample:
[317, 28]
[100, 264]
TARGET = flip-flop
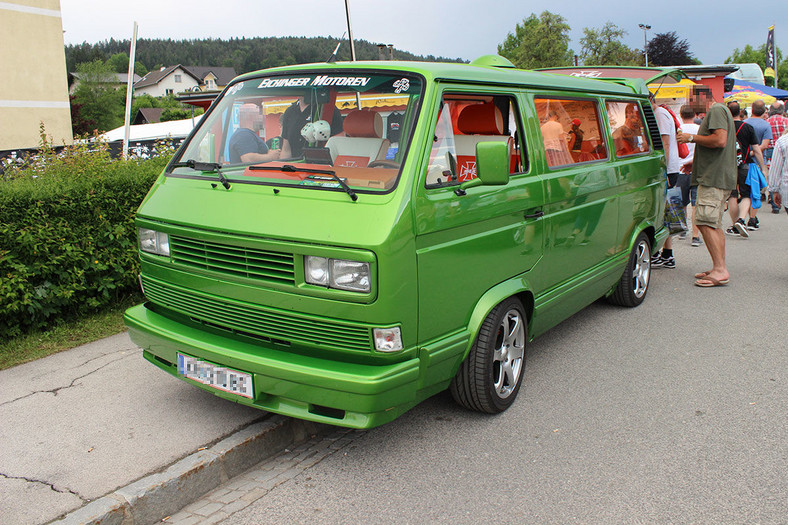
[701, 275]
[709, 282]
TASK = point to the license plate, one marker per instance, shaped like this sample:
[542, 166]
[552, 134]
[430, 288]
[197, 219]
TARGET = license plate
[219, 377]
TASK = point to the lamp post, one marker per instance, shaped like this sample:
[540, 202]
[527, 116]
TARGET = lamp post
[645, 28]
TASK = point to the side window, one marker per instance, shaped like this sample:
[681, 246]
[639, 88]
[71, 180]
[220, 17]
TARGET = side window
[627, 128]
[570, 130]
[464, 121]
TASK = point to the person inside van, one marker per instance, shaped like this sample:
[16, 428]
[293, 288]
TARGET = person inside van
[246, 145]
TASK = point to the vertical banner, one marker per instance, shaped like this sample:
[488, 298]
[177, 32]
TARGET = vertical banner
[771, 62]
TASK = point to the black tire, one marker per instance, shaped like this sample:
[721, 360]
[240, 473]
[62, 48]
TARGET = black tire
[489, 378]
[633, 286]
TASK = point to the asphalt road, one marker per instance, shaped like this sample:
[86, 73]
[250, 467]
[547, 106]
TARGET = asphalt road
[672, 412]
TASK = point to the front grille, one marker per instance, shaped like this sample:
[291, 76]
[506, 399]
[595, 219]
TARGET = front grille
[263, 323]
[240, 261]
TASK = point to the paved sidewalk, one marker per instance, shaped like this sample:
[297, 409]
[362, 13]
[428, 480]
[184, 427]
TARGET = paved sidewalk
[97, 434]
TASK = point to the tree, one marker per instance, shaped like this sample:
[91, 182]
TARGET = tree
[97, 101]
[603, 47]
[665, 49]
[79, 124]
[119, 62]
[750, 55]
[538, 42]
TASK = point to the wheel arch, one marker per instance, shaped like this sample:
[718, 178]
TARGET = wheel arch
[515, 287]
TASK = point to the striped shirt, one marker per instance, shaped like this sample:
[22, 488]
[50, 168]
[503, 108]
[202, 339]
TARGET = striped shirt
[778, 174]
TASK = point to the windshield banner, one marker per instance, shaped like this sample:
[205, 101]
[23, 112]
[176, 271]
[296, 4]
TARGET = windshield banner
[320, 80]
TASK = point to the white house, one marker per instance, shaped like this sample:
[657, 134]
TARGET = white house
[166, 81]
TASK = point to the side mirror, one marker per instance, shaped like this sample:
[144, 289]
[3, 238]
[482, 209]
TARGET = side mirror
[492, 166]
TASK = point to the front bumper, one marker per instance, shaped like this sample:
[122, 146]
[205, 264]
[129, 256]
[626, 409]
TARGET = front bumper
[322, 390]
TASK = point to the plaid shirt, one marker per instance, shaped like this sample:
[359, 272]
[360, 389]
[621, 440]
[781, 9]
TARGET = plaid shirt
[778, 123]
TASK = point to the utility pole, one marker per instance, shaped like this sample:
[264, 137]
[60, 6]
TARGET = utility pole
[645, 29]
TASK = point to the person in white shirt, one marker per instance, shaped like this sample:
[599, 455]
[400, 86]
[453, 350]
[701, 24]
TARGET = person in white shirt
[688, 125]
[667, 130]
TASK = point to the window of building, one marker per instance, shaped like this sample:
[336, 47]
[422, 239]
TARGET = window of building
[464, 121]
[168, 91]
[627, 127]
[178, 78]
[570, 130]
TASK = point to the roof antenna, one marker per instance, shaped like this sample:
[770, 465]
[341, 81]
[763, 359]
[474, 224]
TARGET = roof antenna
[333, 56]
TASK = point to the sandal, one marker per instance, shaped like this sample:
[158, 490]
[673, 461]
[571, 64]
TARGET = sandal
[709, 282]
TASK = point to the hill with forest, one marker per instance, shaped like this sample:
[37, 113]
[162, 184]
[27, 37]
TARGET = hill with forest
[243, 54]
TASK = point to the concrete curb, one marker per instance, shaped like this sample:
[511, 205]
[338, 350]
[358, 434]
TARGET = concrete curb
[164, 493]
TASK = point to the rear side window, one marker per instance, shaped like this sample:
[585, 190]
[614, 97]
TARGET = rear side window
[466, 119]
[627, 128]
[570, 130]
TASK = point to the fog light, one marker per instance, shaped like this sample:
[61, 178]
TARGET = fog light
[388, 339]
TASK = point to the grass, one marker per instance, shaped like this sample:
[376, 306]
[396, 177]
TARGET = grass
[67, 335]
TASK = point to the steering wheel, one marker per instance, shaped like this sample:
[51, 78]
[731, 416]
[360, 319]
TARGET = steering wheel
[383, 164]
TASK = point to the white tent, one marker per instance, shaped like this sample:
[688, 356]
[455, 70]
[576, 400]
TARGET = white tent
[158, 130]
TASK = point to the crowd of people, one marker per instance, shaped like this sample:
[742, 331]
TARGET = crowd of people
[729, 161]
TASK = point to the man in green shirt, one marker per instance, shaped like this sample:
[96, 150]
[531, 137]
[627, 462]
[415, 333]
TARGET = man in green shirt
[714, 172]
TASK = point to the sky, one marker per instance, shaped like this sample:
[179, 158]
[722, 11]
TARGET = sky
[450, 28]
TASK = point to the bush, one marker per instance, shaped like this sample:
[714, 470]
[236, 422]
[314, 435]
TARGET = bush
[67, 238]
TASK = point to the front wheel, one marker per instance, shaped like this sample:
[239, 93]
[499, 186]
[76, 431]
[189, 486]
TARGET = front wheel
[632, 288]
[490, 377]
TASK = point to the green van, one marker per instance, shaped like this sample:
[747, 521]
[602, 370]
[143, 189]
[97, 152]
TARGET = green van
[337, 242]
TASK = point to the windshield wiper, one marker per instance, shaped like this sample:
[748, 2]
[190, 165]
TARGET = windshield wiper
[289, 168]
[205, 166]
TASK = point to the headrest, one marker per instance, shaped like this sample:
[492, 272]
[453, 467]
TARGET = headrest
[481, 119]
[363, 123]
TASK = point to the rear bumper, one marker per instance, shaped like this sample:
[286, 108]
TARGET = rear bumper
[334, 392]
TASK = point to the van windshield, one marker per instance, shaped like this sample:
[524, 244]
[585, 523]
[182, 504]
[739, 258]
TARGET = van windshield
[335, 129]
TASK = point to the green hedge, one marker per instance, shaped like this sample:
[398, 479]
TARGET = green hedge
[67, 237]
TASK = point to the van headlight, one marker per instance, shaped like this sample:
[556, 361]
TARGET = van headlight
[340, 274]
[154, 242]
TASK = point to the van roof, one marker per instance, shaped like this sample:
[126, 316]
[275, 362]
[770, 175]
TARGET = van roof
[472, 73]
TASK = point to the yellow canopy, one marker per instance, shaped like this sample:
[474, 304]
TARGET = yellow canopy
[343, 102]
[680, 89]
[746, 98]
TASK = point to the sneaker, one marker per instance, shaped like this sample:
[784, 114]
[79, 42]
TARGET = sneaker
[731, 231]
[683, 235]
[662, 262]
[741, 228]
[696, 241]
[752, 224]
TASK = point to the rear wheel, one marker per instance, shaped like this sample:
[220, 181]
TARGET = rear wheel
[632, 288]
[490, 377]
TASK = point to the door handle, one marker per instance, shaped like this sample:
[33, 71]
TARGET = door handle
[534, 215]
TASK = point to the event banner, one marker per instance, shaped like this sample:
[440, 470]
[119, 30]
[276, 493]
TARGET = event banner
[771, 62]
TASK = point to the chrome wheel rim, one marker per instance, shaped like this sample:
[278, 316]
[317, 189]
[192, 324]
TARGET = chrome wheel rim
[509, 353]
[642, 270]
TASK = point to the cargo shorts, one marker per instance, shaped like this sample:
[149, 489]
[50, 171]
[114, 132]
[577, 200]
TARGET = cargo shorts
[711, 206]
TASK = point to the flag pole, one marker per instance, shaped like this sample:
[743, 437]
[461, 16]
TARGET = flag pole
[352, 48]
[129, 90]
